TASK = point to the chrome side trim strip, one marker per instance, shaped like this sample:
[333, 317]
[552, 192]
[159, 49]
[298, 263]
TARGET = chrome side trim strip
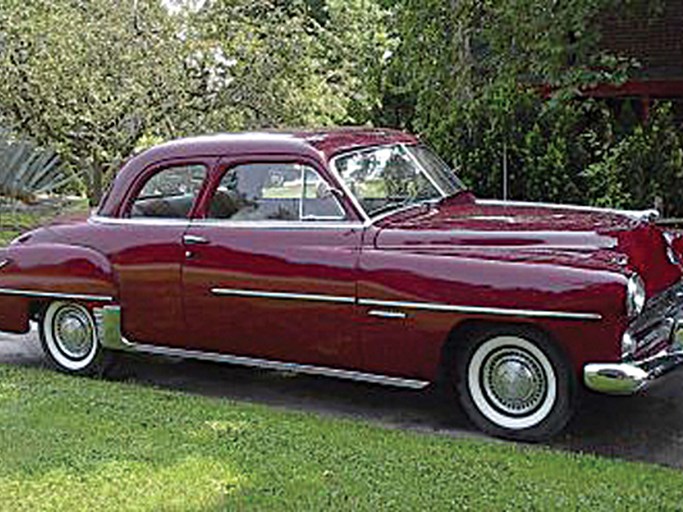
[55, 295]
[283, 366]
[449, 308]
[283, 295]
[636, 214]
[108, 320]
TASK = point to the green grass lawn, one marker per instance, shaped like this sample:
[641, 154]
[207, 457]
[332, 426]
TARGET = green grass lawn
[77, 444]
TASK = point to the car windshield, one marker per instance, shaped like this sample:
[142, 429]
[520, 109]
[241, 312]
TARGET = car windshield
[388, 177]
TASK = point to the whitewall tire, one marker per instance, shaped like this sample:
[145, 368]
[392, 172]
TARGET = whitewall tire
[69, 338]
[515, 383]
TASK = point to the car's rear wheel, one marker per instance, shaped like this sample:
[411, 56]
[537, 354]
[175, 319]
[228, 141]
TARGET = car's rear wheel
[69, 338]
[515, 383]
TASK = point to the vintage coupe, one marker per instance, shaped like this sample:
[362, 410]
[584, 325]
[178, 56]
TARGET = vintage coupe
[354, 253]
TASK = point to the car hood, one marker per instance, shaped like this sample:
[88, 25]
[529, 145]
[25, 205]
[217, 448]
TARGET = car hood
[581, 237]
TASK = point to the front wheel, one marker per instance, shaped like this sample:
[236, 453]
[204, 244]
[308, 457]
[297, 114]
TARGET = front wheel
[515, 383]
[69, 338]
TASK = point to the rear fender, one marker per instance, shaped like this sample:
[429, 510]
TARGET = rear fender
[33, 275]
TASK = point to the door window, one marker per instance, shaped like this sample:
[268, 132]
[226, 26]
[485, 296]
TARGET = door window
[169, 193]
[274, 191]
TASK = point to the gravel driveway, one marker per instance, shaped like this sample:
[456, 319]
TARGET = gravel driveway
[646, 427]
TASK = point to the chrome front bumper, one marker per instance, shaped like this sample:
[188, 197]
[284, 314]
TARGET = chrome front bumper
[660, 324]
[628, 378]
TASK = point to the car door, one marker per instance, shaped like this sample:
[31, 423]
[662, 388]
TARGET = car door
[145, 247]
[271, 268]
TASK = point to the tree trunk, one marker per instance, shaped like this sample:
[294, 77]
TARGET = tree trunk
[96, 184]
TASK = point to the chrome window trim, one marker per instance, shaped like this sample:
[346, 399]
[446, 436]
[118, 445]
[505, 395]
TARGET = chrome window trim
[250, 224]
[139, 221]
[56, 295]
[275, 224]
[450, 308]
[283, 295]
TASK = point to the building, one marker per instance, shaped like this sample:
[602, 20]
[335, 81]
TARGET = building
[652, 34]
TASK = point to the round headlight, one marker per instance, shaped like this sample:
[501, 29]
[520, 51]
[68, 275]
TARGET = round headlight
[628, 345]
[635, 295]
[669, 238]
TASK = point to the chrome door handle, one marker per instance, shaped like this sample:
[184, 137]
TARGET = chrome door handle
[194, 240]
[381, 313]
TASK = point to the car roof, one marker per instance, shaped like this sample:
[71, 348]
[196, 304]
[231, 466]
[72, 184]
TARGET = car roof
[318, 144]
[328, 141]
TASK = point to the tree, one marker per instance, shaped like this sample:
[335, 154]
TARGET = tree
[279, 63]
[89, 78]
[95, 79]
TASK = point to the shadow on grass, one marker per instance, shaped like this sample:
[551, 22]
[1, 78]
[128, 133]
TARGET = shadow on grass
[647, 427]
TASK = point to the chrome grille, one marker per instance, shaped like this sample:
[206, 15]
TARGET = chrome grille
[655, 323]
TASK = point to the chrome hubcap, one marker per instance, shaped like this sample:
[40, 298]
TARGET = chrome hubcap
[514, 381]
[73, 333]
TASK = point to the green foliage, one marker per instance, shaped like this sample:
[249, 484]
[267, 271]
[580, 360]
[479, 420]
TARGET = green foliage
[642, 167]
[95, 80]
[77, 444]
[484, 81]
[479, 80]
[26, 170]
[281, 63]
[88, 79]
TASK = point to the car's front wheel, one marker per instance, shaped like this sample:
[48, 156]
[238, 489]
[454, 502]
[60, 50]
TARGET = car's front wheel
[69, 338]
[515, 383]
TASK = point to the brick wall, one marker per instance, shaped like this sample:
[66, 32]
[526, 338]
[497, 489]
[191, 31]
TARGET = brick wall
[653, 36]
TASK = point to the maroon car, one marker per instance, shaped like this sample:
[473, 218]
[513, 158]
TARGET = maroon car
[358, 254]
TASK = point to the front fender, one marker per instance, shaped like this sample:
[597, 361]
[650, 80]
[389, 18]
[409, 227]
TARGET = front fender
[31, 275]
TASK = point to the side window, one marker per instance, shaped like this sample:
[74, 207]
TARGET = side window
[170, 193]
[319, 201]
[273, 191]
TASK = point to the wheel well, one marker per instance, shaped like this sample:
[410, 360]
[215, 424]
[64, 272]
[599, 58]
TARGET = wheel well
[36, 308]
[462, 331]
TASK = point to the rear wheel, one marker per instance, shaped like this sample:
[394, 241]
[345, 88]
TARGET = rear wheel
[514, 383]
[69, 338]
